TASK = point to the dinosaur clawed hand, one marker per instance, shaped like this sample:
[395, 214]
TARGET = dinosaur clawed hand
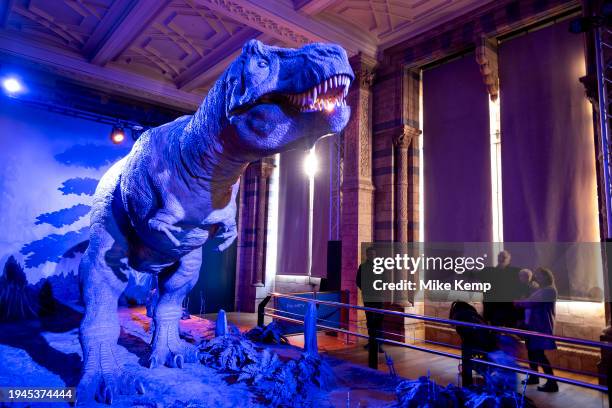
[165, 228]
[227, 234]
[103, 379]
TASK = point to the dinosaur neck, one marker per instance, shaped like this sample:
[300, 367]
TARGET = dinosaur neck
[206, 150]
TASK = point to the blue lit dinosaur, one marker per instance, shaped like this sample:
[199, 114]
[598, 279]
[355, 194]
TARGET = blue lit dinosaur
[176, 189]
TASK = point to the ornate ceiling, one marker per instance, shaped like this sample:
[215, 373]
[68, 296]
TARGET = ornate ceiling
[170, 51]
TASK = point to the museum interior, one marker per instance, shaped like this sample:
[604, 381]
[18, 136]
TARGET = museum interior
[471, 121]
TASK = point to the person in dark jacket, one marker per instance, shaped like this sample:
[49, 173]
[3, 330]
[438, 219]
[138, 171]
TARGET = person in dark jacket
[364, 278]
[540, 307]
[527, 285]
[497, 306]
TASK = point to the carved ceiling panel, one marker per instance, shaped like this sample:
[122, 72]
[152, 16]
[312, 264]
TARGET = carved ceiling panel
[177, 48]
[182, 34]
[387, 19]
[67, 24]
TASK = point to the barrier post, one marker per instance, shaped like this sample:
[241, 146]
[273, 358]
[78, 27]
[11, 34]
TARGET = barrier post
[261, 309]
[466, 366]
[373, 354]
[310, 329]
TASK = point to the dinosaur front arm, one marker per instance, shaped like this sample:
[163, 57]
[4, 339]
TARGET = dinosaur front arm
[165, 219]
[227, 234]
[158, 225]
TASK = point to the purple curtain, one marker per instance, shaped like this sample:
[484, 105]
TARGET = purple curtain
[456, 145]
[320, 225]
[293, 204]
[548, 156]
[293, 210]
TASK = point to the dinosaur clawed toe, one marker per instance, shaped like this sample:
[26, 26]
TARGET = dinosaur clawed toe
[174, 354]
[106, 386]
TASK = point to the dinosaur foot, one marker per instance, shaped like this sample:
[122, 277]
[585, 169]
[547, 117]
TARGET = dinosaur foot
[171, 351]
[103, 379]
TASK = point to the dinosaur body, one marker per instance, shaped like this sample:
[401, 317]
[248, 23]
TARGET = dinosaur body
[155, 208]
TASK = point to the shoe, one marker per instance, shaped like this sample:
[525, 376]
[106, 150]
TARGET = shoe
[550, 386]
[531, 381]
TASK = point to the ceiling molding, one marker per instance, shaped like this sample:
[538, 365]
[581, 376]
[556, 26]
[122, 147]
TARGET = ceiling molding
[112, 19]
[78, 68]
[198, 74]
[448, 39]
[313, 7]
[280, 20]
[426, 22]
[124, 32]
[209, 76]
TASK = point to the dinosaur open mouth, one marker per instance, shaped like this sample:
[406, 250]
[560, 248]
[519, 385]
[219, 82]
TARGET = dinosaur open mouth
[326, 95]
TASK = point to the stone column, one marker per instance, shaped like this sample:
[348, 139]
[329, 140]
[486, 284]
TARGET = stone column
[396, 176]
[245, 255]
[486, 58]
[264, 168]
[357, 188]
[252, 235]
[402, 143]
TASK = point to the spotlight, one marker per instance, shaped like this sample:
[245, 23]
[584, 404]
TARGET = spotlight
[12, 85]
[117, 135]
[311, 163]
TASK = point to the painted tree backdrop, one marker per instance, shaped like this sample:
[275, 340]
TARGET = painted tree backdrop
[51, 165]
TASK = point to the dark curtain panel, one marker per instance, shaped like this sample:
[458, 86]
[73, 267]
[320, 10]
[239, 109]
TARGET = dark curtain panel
[320, 225]
[548, 156]
[293, 209]
[292, 215]
[456, 145]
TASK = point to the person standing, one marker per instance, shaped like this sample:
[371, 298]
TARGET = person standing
[527, 286]
[540, 307]
[497, 306]
[365, 277]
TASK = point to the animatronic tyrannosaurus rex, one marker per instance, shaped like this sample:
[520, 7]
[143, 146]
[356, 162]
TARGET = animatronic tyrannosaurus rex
[176, 188]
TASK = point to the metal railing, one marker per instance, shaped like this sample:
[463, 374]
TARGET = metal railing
[466, 356]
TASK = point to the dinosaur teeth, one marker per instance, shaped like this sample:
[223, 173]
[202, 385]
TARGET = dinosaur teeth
[326, 95]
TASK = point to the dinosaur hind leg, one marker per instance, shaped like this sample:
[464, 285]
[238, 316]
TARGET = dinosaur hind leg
[103, 280]
[174, 284]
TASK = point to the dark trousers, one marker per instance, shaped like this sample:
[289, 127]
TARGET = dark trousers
[374, 321]
[538, 358]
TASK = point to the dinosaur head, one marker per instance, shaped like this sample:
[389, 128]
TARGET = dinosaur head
[281, 98]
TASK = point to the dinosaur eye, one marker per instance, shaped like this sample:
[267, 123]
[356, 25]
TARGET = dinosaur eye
[262, 63]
